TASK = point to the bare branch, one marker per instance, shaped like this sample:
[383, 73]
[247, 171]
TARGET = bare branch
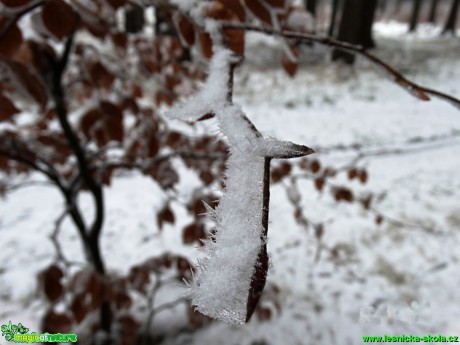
[416, 90]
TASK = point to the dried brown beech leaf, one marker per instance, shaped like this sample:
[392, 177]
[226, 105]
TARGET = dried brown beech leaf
[319, 184]
[343, 194]
[258, 281]
[59, 18]
[363, 176]
[352, 173]
[113, 120]
[115, 4]
[7, 108]
[378, 219]
[15, 3]
[193, 233]
[79, 308]
[233, 39]
[104, 123]
[186, 30]
[50, 279]
[120, 40]
[236, 7]
[205, 44]
[276, 3]
[11, 40]
[289, 65]
[100, 76]
[184, 268]
[164, 173]
[54, 322]
[25, 82]
[165, 215]
[278, 173]
[315, 166]
[258, 9]
[162, 97]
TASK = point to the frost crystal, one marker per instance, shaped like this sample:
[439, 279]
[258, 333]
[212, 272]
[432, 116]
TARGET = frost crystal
[224, 282]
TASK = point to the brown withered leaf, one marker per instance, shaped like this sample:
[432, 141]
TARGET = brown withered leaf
[11, 40]
[113, 120]
[50, 279]
[343, 194]
[315, 166]
[280, 172]
[363, 176]
[193, 232]
[276, 3]
[120, 40]
[59, 18]
[15, 3]
[25, 82]
[233, 39]
[162, 97]
[319, 184]
[165, 215]
[264, 313]
[205, 44]
[100, 76]
[184, 268]
[164, 173]
[289, 66]
[139, 276]
[7, 108]
[352, 173]
[378, 219]
[236, 7]
[259, 10]
[115, 4]
[258, 281]
[54, 322]
[79, 308]
[366, 202]
[186, 30]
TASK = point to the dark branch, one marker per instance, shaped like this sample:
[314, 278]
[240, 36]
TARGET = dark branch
[411, 87]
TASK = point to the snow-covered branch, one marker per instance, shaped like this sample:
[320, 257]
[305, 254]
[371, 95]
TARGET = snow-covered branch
[232, 275]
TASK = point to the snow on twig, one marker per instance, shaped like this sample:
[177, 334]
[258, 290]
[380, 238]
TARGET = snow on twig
[232, 274]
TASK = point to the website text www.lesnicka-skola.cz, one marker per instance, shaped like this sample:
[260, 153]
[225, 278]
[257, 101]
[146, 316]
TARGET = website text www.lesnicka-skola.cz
[431, 338]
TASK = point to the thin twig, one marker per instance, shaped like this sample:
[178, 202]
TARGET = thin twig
[416, 90]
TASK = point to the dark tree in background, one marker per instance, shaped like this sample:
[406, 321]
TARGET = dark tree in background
[452, 19]
[310, 6]
[356, 26]
[335, 9]
[415, 14]
[134, 19]
[433, 10]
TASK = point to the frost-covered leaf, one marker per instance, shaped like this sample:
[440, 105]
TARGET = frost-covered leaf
[231, 277]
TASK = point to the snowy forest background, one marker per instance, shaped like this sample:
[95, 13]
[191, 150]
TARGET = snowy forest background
[101, 210]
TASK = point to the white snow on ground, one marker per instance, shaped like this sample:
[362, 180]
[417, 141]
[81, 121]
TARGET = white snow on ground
[386, 280]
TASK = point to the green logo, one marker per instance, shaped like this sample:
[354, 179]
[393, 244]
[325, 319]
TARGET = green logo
[19, 334]
[9, 331]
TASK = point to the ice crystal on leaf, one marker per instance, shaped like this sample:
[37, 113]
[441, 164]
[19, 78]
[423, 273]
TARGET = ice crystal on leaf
[232, 274]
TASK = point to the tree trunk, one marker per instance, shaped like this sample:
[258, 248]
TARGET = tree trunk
[433, 9]
[134, 19]
[335, 10]
[415, 15]
[356, 27]
[310, 6]
[452, 19]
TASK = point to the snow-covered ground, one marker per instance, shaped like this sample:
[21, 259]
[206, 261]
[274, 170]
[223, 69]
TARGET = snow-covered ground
[391, 280]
